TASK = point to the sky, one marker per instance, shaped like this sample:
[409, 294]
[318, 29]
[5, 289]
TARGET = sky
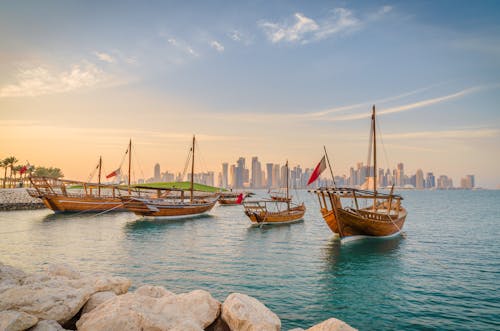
[273, 79]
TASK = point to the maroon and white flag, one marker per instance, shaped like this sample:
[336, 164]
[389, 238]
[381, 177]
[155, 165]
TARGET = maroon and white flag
[113, 174]
[317, 171]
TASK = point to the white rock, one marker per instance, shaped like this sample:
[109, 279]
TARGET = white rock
[54, 302]
[11, 320]
[244, 313]
[133, 311]
[96, 299]
[47, 326]
[103, 283]
[332, 324]
[10, 277]
[153, 291]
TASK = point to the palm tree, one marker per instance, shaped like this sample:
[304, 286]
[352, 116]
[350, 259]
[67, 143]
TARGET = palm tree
[5, 165]
[11, 161]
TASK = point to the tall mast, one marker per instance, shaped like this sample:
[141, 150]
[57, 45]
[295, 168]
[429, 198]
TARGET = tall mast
[329, 166]
[287, 200]
[129, 162]
[100, 167]
[374, 152]
[192, 171]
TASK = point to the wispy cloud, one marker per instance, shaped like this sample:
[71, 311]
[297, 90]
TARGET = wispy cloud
[298, 31]
[303, 29]
[41, 80]
[475, 133]
[217, 46]
[407, 107]
[182, 46]
[105, 57]
[240, 37]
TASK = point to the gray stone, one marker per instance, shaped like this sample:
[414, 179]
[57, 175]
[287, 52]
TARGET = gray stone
[11, 320]
[244, 313]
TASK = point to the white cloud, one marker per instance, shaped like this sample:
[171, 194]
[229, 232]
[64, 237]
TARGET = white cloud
[240, 37]
[302, 27]
[105, 57]
[41, 80]
[182, 46]
[217, 46]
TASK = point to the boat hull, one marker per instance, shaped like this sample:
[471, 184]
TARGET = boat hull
[152, 208]
[359, 223]
[282, 217]
[66, 204]
[228, 202]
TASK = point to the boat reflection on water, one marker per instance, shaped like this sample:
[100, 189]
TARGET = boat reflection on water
[145, 223]
[359, 251]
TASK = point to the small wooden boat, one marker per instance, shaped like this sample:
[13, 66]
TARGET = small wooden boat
[262, 212]
[58, 196]
[341, 208]
[231, 198]
[280, 196]
[172, 203]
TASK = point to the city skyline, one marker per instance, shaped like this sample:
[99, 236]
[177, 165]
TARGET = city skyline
[279, 80]
[239, 176]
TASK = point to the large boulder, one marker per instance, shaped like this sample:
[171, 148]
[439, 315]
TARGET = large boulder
[96, 299]
[244, 313]
[11, 320]
[10, 277]
[153, 309]
[58, 293]
[332, 324]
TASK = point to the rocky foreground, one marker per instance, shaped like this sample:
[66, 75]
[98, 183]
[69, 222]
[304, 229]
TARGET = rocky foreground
[18, 199]
[60, 298]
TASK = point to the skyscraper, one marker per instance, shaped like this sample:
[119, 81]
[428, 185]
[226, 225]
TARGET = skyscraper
[400, 175]
[269, 169]
[240, 173]
[225, 179]
[157, 176]
[256, 180]
[419, 180]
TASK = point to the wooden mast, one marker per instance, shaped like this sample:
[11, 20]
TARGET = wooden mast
[329, 166]
[129, 162]
[287, 200]
[99, 180]
[192, 172]
[374, 159]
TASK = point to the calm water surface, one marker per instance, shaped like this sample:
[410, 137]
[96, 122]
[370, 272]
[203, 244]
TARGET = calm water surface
[443, 274]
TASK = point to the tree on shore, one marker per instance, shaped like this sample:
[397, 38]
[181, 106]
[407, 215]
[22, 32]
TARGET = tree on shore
[9, 162]
[48, 172]
[5, 165]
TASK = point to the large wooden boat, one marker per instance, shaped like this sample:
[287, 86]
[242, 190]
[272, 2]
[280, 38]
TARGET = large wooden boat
[261, 212]
[279, 196]
[343, 211]
[58, 196]
[172, 203]
[69, 196]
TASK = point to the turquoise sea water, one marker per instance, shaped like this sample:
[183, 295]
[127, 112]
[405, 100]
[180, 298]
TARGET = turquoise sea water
[444, 274]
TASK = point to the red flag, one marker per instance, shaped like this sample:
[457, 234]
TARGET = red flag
[239, 199]
[23, 170]
[113, 174]
[317, 171]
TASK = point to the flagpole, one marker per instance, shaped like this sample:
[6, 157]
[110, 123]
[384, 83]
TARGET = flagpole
[329, 166]
[129, 162]
[100, 167]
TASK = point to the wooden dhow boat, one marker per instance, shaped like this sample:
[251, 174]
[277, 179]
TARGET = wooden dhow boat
[172, 203]
[383, 217]
[262, 212]
[58, 195]
[231, 198]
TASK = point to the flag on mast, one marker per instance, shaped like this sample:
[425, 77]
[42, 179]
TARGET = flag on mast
[114, 173]
[317, 171]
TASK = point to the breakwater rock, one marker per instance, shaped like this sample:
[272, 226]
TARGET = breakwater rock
[18, 199]
[60, 298]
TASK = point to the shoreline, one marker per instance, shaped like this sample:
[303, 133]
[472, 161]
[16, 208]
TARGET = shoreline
[60, 298]
[12, 199]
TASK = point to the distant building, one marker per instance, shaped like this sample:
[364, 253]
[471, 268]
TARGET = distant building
[157, 176]
[430, 180]
[256, 180]
[224, 176]
[419, 180]
[269, 169]
[467, 182]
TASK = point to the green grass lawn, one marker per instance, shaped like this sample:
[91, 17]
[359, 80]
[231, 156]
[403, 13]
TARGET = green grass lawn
[182, 186]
